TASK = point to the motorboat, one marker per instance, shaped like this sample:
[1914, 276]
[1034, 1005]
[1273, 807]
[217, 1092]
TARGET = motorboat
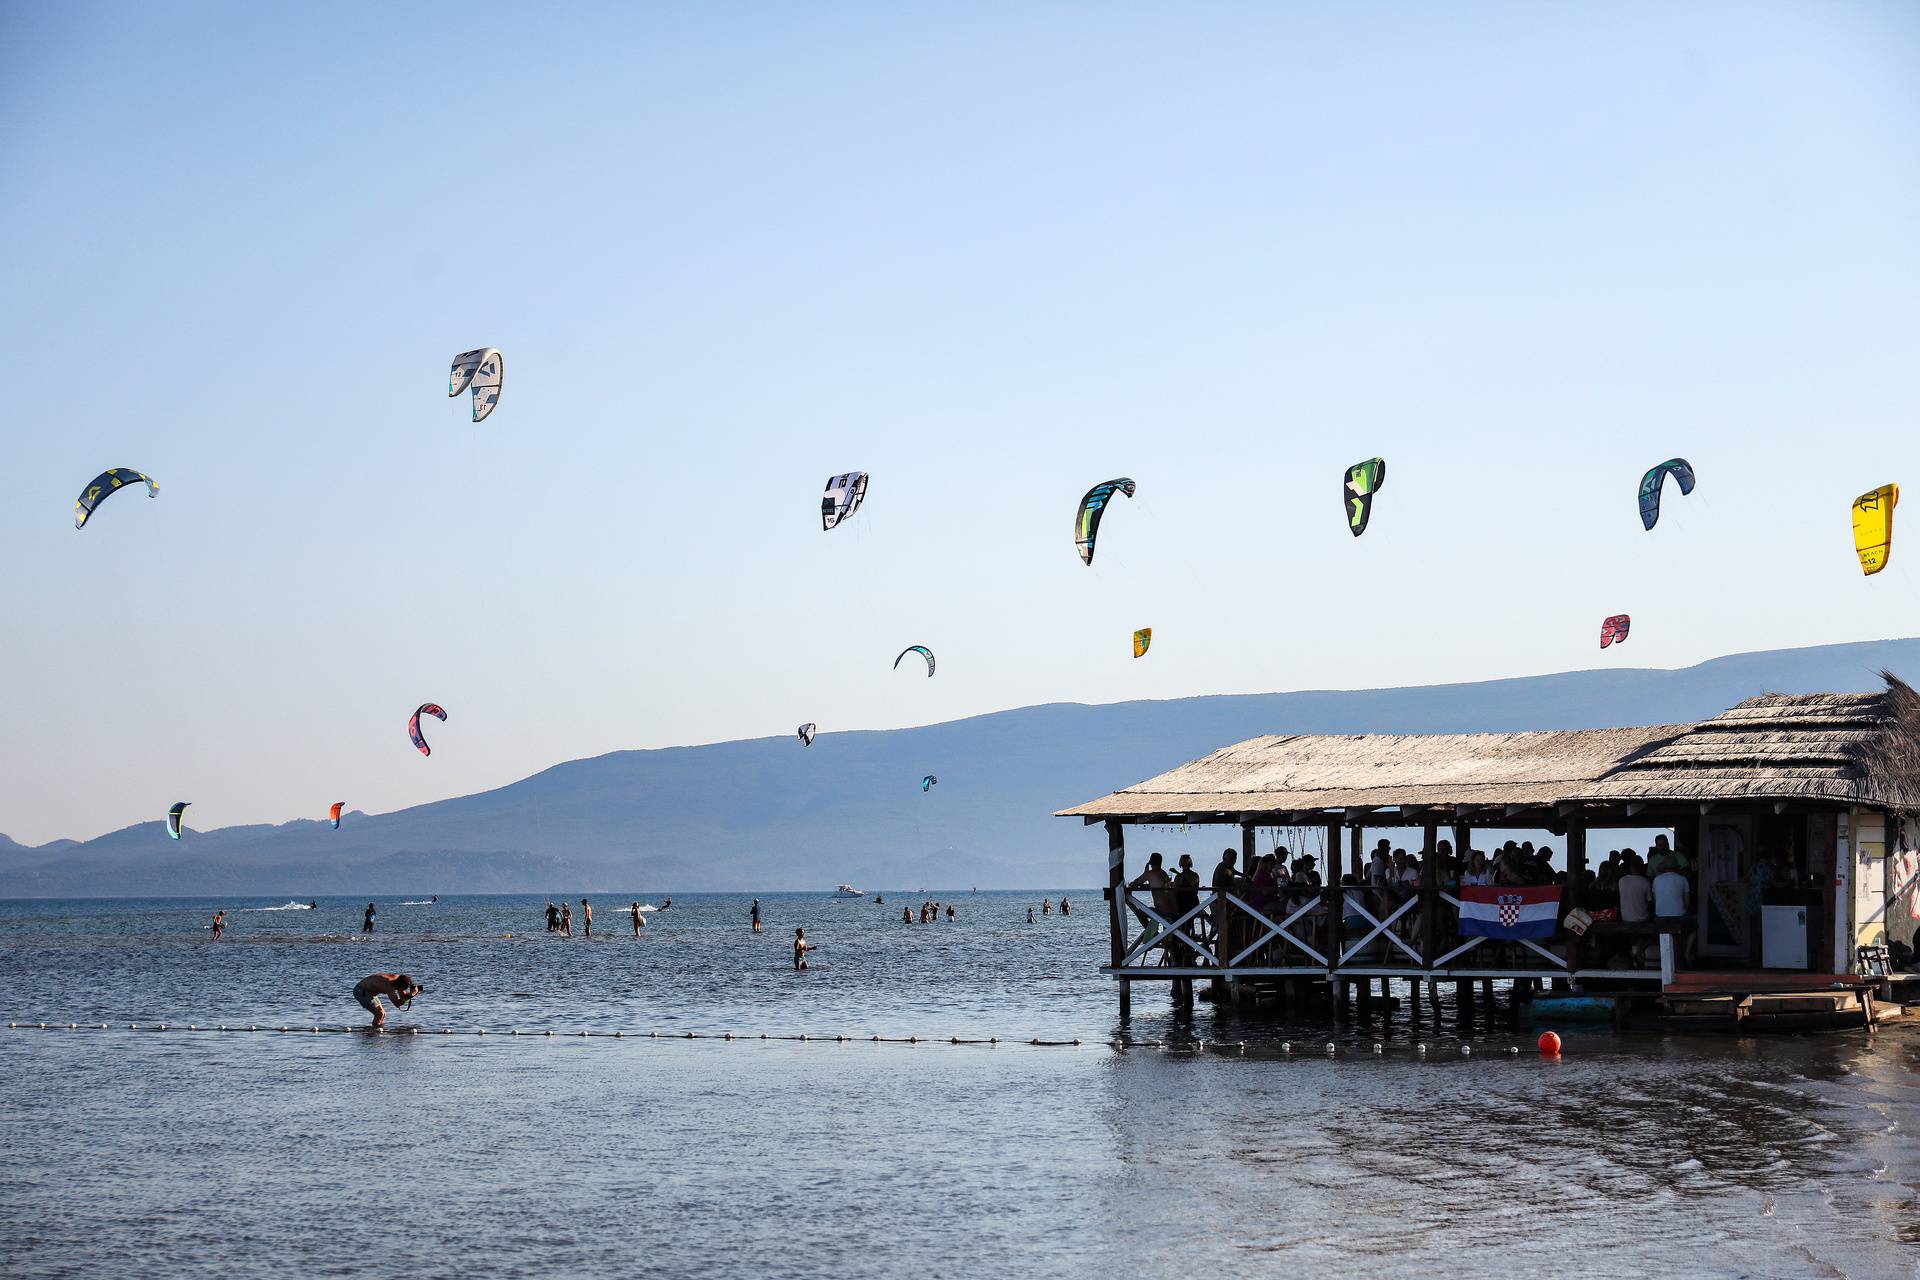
[847, 891]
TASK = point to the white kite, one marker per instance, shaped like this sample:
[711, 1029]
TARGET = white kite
[483, 371]
[843, 497]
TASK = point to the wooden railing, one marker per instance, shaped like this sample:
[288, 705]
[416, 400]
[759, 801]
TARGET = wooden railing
[1366, 930]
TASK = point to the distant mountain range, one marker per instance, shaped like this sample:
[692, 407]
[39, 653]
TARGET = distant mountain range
[769, 814]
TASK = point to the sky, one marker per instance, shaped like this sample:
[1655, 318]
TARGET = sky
[991, 255]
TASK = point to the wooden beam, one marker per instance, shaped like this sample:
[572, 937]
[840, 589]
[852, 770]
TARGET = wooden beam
[1117, 906]
[1634, 808]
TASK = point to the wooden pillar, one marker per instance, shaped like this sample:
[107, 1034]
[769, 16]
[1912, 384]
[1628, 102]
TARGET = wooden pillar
[1576, 871]
[1354, 836]
[1429, 899]
[1117, 908]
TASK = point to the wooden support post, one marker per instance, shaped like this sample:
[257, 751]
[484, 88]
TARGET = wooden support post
[1354, 836]
[1576, 872]
[1429, 900]
[1117, 908]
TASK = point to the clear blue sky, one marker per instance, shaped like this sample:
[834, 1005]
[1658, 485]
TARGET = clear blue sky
[991, 255]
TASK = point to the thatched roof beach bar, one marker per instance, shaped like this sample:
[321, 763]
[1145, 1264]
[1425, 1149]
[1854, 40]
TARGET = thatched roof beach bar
[1788, 814]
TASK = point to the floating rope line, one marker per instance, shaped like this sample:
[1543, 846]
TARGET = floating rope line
[1286, 1048]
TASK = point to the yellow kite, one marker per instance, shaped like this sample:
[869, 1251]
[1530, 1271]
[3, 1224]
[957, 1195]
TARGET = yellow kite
[1873, 526]
[1141, 639]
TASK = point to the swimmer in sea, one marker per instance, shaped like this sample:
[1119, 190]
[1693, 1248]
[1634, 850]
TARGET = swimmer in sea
[366, 922]
[639, 921]
[906, 915]
[566, 919]
[1066, 908]
[586, 916]
[755, 912]
[800, 948]
[397, 987]
[219, 924]
[1029, 915]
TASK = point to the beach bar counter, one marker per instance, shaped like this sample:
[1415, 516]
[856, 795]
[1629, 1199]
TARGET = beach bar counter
[1792, 817]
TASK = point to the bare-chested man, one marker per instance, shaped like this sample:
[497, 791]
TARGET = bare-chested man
[397, 987]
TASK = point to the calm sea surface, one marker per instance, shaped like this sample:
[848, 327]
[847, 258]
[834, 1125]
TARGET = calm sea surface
[268, 1154]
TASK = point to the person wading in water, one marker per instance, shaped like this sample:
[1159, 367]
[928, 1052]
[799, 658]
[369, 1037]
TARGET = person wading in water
[397, 987]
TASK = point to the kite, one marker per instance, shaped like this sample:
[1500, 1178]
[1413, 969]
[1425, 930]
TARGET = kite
[1873, 527]
[333, 814]
[413, 726]
[1364, 479]
[920, 649]
[843, 497]
[1614, 629]
[1086, 521]
[104, 486]
[481, 370]
[1652, 482]
[807, 731]
[928, 783]
[173, 819]
[1141, 639]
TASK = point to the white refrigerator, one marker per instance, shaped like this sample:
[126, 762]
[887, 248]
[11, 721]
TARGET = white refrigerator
[1783, 937]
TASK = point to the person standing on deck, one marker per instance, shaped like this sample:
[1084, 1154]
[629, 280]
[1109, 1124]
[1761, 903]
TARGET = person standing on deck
[586, 916]
[366, 921]
[1186, 901]
[1226, 880]
[566, 919]
[1156, 881]
[639, 921]
[1671, 899]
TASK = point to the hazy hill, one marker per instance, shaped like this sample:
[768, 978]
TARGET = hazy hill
[768, 814]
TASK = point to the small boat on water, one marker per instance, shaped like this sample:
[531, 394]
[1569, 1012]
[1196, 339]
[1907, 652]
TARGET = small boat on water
[847, 891]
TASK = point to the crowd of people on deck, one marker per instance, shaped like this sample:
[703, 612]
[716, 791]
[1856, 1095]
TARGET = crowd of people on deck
[1633, 897]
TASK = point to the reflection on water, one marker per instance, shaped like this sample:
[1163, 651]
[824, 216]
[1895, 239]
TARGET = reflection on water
[164, 1154]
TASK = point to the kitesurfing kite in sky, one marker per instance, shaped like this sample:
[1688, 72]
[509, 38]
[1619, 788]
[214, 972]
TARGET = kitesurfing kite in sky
[413, 726]
[1614, 629]
[173, 818]
[1086, 521]
[929, 782]
[843, 497]
[1141, 639]
[333, 814]
[1363, 481]
[1655, 480]
[806, 734]
[923, 651]
[104, 486]
[483, 371]
[1873, 526]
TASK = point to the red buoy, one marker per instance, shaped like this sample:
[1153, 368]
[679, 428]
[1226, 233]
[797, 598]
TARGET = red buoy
[1550, 1043]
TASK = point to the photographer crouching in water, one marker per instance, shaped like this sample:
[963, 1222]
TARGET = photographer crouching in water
[397, 987]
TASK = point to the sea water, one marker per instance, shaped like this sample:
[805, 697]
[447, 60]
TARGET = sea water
[1231, 1144]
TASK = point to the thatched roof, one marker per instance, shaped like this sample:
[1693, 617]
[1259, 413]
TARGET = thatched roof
[1848, 748]
[1298, 774]
[1844, 748]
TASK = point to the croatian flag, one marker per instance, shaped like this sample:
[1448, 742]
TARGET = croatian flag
[1509, 911]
